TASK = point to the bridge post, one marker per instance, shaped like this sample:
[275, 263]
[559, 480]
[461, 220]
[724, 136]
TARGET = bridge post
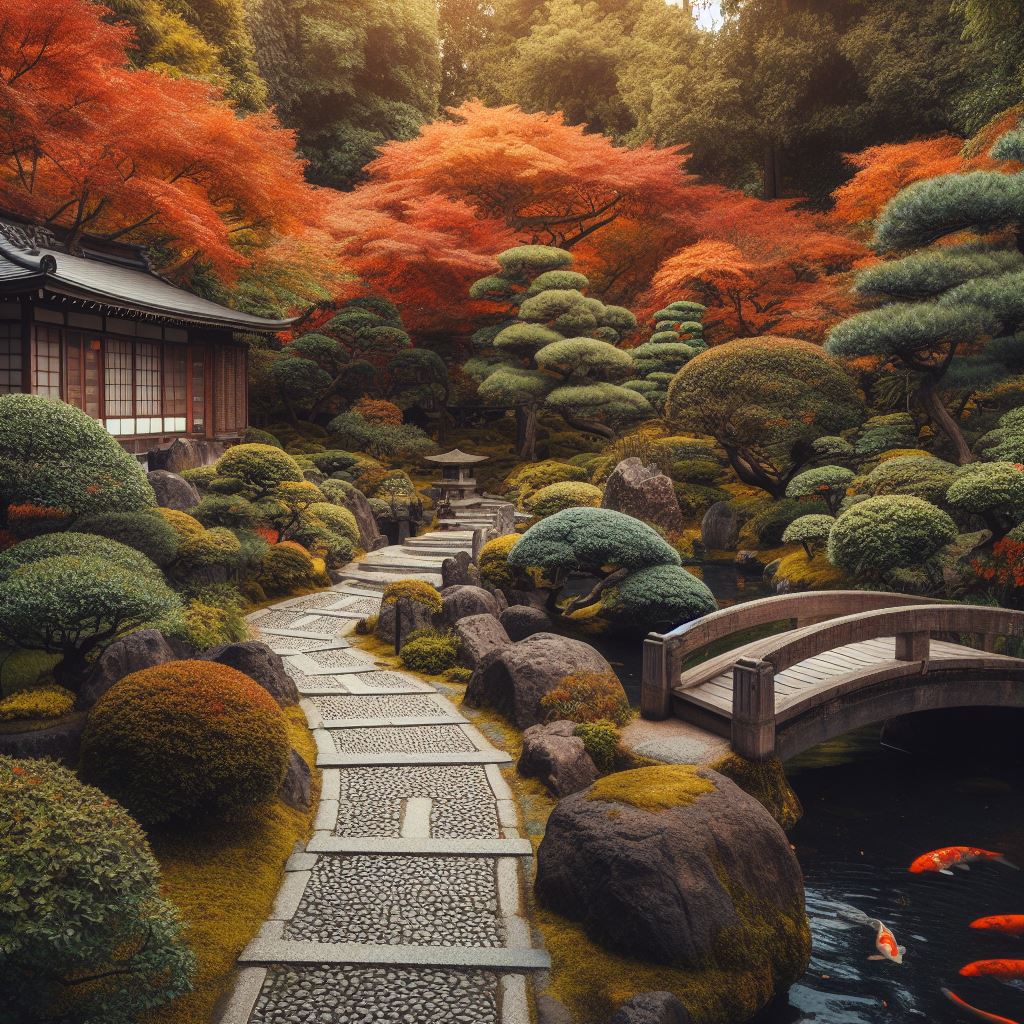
[913, 646]
[655, 686]
[753, 709]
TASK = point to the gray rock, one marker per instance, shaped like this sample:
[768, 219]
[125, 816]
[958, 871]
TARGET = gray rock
[514, 679]
[558, 758]
[257, 660]
[551, 1011]
[771, 569]
[652, 1008]
[720, 527]
[370, 537]
[414, 616]
[463, 601]
[749, 561]
[59, 742]
[521, 621]
[643, 492]
[132, 653]
[480, 634]
[173, 491]
[459, 570]
[296, 789]
[185, 453]
[649, 882]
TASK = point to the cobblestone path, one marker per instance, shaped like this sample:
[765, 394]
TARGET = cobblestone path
[406, 905]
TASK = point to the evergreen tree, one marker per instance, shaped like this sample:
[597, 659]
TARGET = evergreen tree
[677, 337]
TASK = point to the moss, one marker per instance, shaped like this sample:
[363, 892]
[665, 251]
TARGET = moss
[46, 702]
[225, 881]
[802, 573]
[658, 788]
[601, 741]
[766, 782]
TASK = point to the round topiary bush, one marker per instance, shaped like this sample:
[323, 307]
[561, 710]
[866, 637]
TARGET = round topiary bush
[260, 467]
[416, 590]
[809, 531]
[658, 596]
[430, 651]
[493, 560]
[186, 739]
[828, 483]
[83, 866]
[919, 476]
[209, 556]
[527, 479]
[76, 545]
[286, 567]
[877, 535]
[182, 523]
[336, 518]
[558, 497]
[147, 532]
[994, 491]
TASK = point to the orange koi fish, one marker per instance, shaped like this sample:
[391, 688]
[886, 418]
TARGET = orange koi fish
[992, 1018]
[1007, 924]
[885, 941]
[1009, 971]
[955, 857]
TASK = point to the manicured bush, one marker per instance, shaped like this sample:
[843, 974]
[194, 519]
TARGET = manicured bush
[75, 545]
[200, 477]
[334, 548]
[809, 531]
[209, 555]
[658, 596]
[919, 476]
[287, 567]
[186, 739]
[381, 440]
[493, 561]
[695, 499]
[206, 624]
[601, 740]
[558, 497]
[335, 461]
[884, 433]
[260, 467]
[430, 651]
[695, 471]
[336, 518]
[378, 411]
[233, 511]
[587, 697]
[184, 525]
[80, 900]
[458, 674]
[415, 590]
[253, 435]
[829, 483]
[147, 532]
[992, 490]
[767, 526]
[73, 605]
[43, 702]
[338, 491]
[525, 480]
[881, 534]
[55, 457]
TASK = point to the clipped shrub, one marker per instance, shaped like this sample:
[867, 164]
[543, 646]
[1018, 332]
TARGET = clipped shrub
[493, 561]
[695, 499]
[146, 532]
[458, 674]
[205, 625]
[336, 518]
[208, 555]
[60, 460]
[260, 467]
[253, 435]
[287, 567]
[601, 740]
[525, 480]
[994, 491]
[829, 483]
[186, 739]
[183, 525]
[587, 697]
[658, 595]
[83, 866]
[430, 651]
[338, 491]
[881, 534]
[416, 590]
[381, 440]
[377, 410]
[767, 526]
[233, 511]
[558, 497]
[919, 476]
[75, 545]
[44, 702]
[809, 531]
[695, 471]
[200, 477]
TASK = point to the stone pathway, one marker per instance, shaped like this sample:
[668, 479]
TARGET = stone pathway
[406, 905]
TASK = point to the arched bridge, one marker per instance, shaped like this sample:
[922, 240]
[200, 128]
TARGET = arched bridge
[833, 661]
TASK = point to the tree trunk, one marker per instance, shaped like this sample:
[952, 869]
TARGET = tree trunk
[589, 426]
[71, 670]
[940, 416]
[752, 474]
[772, 181]
[526, 432]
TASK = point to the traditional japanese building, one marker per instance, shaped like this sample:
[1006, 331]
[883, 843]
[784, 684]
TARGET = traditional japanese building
[98, 329]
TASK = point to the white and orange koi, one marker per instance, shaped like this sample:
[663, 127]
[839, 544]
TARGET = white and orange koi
[885, 942]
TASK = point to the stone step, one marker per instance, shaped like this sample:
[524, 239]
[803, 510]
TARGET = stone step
[338, 760]
[323, 843]
[385, 576]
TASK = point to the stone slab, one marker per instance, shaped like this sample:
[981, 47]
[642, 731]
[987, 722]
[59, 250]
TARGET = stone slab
[422, 847]
[515, 1006]
[673, 741]
[248, 984]
[284, 951]
[372, 760]
[382, 723]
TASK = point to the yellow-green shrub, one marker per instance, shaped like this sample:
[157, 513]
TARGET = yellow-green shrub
[184, 525]
[587, 697]
[208, 625]
[430, 651]
[288, 566]
[184, 739]
[601, 740]
[419, 591]
[494, 567]
[45, 702]
[525, 480]
[568, 494]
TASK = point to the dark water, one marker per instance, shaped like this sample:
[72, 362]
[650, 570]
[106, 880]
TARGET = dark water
[869, 811]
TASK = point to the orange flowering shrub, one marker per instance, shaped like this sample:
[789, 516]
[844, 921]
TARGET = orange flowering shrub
[587, 697]
[186, 739]
[26, 519]
[1004, 568]
[378, 411]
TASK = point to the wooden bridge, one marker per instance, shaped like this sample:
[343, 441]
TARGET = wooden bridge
[833, 661]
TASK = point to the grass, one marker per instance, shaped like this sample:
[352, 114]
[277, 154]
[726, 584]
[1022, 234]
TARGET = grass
[224, 880]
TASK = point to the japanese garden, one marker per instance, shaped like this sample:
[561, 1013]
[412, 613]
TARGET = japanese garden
[511, 512]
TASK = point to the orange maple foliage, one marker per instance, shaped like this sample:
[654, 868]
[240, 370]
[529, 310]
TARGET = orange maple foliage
[93, 146]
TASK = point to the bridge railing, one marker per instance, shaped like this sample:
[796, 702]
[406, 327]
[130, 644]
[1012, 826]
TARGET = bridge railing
[753, 679]
[664, 654]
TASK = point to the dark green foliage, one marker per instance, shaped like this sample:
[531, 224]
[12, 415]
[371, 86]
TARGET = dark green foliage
[601, 740]
[678, 336]
[769, 524]
[77, 545]
[659, 596]
[147, 532]
[829, 483]
[810, 531]
[381, 440]
[81, 899]
[994, 491]
[253, 435]
[920, 476]
[260, 467]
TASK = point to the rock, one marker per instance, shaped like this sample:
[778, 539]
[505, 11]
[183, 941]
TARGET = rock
[558, 758]
[705, 869]
[652, 1008]
[514, 679]
[173, 491]
[643, 492]
[462, 601]
[132, 653]
[185, 453]
[480, 634]
[521, 621]
[414, 616]
[459, 570]
[749, 561]
[370, 537]
[296, 789]
[720, 527]
[771, 569]
[551, 1011]
[60, 741]
[257, 660]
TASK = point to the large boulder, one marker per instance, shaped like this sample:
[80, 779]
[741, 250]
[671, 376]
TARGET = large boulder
[296, 789]
[370, 537]
[513, 680]
[676, 865]
[173, 491]
[185, 453]
[143, 649]
[255, 659]
[460, 602]
[720, 527]
[643, 492]
[414, 616]
[521, 621]
[479, 635]
[556, 755]
[652, 1008]
[459, 570]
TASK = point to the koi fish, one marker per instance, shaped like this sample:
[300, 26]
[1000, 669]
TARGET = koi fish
[1010, 972]
[992, 1018]
[885, 941]
[1008, 924]
[955, 857]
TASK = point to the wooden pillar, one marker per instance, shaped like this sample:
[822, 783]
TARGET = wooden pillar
[913, 646]
[753, 709]
[655, 685]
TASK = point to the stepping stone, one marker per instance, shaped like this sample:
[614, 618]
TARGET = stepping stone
[270, 951]
[337, 712]
[329, 760]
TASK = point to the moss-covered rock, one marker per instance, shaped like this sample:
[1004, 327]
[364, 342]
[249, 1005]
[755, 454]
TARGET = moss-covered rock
[766, 782]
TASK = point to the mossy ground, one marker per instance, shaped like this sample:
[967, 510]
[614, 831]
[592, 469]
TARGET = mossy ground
[805, 573]
[657, 788]
[224, 880]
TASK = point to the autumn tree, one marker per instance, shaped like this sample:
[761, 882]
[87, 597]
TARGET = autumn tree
[942, 303]
[765, 401]
[556, 350]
